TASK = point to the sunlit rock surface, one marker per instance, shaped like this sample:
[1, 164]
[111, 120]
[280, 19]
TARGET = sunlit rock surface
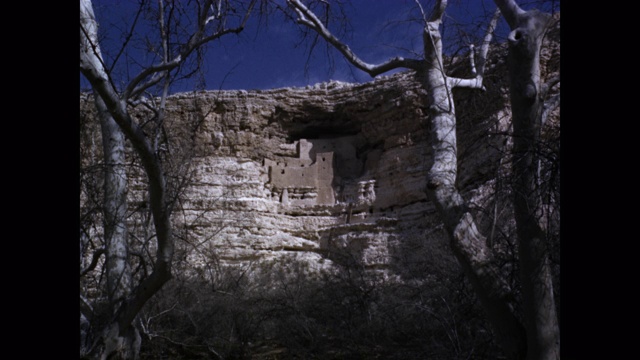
[320, 174]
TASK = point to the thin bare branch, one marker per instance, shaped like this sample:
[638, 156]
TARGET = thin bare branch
[217, 12]
[548, 107]
[484, 48]
[85, 308]
[424, 16]
[477, 82]
[156, 73]
[472, 61]
[308, 18]
[547, 86]
[94, 261]
[511, 11]
[127, 38]
[89, 40]
[163, 32]
[438, 11]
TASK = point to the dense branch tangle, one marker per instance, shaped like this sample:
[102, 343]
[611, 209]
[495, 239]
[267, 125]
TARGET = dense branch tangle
[467, 243]
[529, 113]
[153, 74]
[211, 24]
[308, 18]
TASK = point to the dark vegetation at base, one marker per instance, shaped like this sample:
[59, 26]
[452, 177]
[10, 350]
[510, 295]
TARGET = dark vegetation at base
[285, 313]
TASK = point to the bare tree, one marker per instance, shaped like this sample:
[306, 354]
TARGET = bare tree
[210, 21]
[538, 338]
[529, 113]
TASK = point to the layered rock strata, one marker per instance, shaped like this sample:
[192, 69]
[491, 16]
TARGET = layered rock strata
[334, 172]
[320, 174]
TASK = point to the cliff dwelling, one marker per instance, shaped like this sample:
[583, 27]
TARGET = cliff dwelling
[302, 180]
[318, 172]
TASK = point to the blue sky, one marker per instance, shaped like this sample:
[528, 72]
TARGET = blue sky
[272, 56]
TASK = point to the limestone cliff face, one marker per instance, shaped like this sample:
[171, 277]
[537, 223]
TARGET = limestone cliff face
[319, 172]
[312, 173]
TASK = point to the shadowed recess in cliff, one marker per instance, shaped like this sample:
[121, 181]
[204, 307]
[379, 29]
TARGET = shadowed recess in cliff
[318, 123]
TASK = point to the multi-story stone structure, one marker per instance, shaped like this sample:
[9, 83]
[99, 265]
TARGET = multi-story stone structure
[304, 180]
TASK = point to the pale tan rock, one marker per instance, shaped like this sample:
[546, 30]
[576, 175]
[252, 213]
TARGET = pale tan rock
[309, 173]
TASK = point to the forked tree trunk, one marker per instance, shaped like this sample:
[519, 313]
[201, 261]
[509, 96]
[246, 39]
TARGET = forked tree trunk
[525, 40]
[207, 26]
[120, 339]
[118, 270]
[467, 243]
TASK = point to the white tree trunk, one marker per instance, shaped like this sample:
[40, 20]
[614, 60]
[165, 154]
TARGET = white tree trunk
[118, 271]
[206, 27]
[120, 338]
[467, 243]
[525, 40]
